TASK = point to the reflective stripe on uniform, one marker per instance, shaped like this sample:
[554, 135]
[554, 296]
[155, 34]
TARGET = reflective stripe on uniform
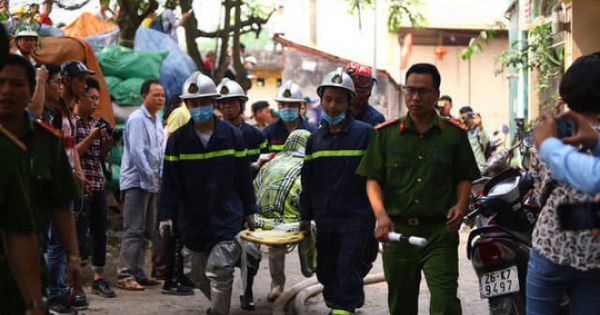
[253, 152]
[334, 153]
[205, 156]
[264, 144]
[276, 147]
[341, 312]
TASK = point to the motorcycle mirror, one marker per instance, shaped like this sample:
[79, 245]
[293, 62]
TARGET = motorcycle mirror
[505, 129]
[528, 139]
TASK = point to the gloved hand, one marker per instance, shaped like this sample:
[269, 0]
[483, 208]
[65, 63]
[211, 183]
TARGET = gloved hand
[250, 222]
[305, 227]
[165, 228]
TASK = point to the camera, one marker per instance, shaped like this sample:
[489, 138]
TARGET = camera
[115, 133]
[579, 216]
[564, 127]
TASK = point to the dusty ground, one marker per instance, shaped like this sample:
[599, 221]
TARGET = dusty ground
[152, 302]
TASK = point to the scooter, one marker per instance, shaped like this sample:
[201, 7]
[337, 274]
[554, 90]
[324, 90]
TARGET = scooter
[499, 249]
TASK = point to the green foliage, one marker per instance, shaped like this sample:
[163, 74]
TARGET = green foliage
[535, 54]
[485, 37]
[398, 11]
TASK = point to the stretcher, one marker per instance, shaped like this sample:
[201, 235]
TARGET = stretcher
[272, 237]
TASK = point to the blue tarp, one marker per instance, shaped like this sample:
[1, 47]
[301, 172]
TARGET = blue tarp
[178, 65]
[98, 42]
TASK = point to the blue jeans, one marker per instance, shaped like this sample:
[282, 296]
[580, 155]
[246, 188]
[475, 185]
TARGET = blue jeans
[57, 264]
[547, 282]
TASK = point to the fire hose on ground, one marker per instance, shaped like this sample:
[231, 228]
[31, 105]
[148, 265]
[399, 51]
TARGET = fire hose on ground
[310, 287]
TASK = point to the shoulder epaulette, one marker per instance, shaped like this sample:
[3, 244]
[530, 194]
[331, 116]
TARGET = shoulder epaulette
[51, 130]
[387, 123]
[455, 122]
[12, 138]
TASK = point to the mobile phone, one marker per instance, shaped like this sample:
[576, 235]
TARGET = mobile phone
[579, 216]
[564, 127]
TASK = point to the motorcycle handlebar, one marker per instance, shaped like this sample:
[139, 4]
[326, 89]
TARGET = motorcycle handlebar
[471, 215]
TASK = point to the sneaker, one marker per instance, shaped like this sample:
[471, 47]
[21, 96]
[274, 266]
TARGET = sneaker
[103, 289]
[80, 301]
[184, 280]
[176, 289]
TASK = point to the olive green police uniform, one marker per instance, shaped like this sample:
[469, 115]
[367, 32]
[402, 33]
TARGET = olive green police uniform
[419, 173]
[15, 213]
[49, 183]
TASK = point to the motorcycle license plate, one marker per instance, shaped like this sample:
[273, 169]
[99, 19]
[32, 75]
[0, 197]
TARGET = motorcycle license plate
[499, 282]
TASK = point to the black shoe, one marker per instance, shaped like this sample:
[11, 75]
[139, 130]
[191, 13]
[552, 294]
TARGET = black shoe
[247, 302]
[176, 289]
[185, 281]
[80, 301]
[59, 307]
[103, 289]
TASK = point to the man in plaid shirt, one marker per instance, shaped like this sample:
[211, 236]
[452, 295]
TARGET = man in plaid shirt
[93, 143]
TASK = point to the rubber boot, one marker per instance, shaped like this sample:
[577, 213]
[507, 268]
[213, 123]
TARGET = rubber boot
[247, 300]
[220, 298]
[277, 269]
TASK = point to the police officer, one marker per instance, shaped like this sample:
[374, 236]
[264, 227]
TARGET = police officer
[232, 103]
[49, 173]
[363, 80]
[289, 99]
[19, 259]
[419, 170]
[207, 191]
[335, 197]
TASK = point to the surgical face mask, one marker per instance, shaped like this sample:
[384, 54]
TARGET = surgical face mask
[288, 114]
[202, 114]
[335, 120]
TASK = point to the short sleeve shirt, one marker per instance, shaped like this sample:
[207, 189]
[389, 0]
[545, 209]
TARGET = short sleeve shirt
[418, 171]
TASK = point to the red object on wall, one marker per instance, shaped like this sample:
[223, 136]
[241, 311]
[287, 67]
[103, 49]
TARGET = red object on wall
[440, 52]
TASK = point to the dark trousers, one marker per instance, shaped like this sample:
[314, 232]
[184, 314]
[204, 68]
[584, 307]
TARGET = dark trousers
[173, 258]
[92, 220]
[341, 256]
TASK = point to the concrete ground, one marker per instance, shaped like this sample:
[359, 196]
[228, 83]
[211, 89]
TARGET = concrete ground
[152, 302]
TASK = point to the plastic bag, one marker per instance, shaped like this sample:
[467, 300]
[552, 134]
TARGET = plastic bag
[127, 93]
[125, 63]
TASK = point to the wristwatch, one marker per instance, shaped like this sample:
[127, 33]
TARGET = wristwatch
[39, 304]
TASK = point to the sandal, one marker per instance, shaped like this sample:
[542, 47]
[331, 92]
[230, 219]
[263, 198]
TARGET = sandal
[130, 285]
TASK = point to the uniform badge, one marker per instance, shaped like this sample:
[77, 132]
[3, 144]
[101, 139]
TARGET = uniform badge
[224, 91]
[287, 93]
[337, 79]
[193, 88]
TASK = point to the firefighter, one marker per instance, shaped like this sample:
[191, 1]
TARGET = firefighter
[335, 197]
[363, 80]
[232, 103]
[207, 192]
[289, 99]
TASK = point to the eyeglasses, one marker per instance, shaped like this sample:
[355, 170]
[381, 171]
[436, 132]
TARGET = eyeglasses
[409, 90]
[56, 81]
[94, 98]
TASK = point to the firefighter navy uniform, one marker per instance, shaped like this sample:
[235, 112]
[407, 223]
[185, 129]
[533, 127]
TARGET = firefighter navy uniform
[335, 197]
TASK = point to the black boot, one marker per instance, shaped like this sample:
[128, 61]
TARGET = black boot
[247, 300]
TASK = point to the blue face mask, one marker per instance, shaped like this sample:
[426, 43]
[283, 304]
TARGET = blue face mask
[202, 114]
[333, 121]
[288, 114]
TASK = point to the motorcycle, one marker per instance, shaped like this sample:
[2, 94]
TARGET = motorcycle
[499, 249]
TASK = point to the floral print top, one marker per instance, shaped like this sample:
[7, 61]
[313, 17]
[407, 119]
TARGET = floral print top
[580, 249]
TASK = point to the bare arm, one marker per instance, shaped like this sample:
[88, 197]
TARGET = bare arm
[87, 142]
[36, 107]
[384, 224]
[23, 261]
